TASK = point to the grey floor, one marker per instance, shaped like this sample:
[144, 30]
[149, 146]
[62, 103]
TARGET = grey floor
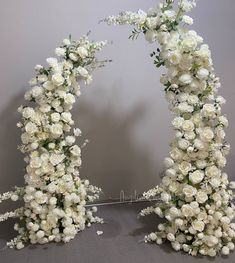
[119, 242]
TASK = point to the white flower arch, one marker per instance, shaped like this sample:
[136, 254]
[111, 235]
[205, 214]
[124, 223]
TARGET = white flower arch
[54, 195]
[195, 194]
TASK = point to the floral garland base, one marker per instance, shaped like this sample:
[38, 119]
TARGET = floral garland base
[195, 194]
[54, 196]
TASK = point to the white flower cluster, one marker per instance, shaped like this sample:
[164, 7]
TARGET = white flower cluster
[54, 196]
[196, 196]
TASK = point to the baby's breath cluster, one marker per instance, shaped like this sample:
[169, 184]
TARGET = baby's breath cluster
[195, 194]
[54, 195]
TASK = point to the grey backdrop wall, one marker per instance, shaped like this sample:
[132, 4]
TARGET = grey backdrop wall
[123, 112]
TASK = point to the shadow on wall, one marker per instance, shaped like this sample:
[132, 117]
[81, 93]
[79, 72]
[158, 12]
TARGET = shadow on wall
[111, 160]
[11, 159]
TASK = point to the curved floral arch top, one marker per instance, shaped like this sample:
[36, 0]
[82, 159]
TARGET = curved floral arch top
[195, 194]
[54, 195]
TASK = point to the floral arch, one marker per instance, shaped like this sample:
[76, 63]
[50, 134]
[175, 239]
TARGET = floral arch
[195, 194]
[54, 195]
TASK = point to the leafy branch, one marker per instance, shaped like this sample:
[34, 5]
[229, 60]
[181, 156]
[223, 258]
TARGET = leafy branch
[135, 34]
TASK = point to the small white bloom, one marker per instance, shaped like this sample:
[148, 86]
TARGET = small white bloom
[201, 197]
[77, 132]
[202, 73]
[56, 129]
[57, 79]
[185, 79]
[31, 128]
[36, 91]
[198, 225]
[187, 20]
[82, 52]
[55, 117]
[196, 177]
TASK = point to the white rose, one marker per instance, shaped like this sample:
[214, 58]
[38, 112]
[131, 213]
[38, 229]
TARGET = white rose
[208, 110]
[211, 241]
[202, 73]
[187, 210]
[40, 234]
[189, 191]
[36, 91]
[185, 107]
[193, 99]
[189, 135]
[225, 250]
[215, 182]
[168, 162]
[177, 122]
[207, 134]
[70, 140]
[188, 126]
[176, 154]
[199, 144]
[53, 62]
[198, 225]
[170, 172]
[57, 79]
[56, 129]
[183, 144]
[31, 128]
[189, 43]
[75, 150]
[82, 52]
[196, 177]
[55, 117]
[201, 164]
[48, 85]
[55, 159]
[165, 197]
[170, 237]
[203, 52]
[201, 197]
[19, 245]
[36, 162]
[174, 57]
[213, 171]
[186, 62]
[28, 112]
[66, 116]
[44, 108]
[185, 167]
[185, 79]
[69, 98]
